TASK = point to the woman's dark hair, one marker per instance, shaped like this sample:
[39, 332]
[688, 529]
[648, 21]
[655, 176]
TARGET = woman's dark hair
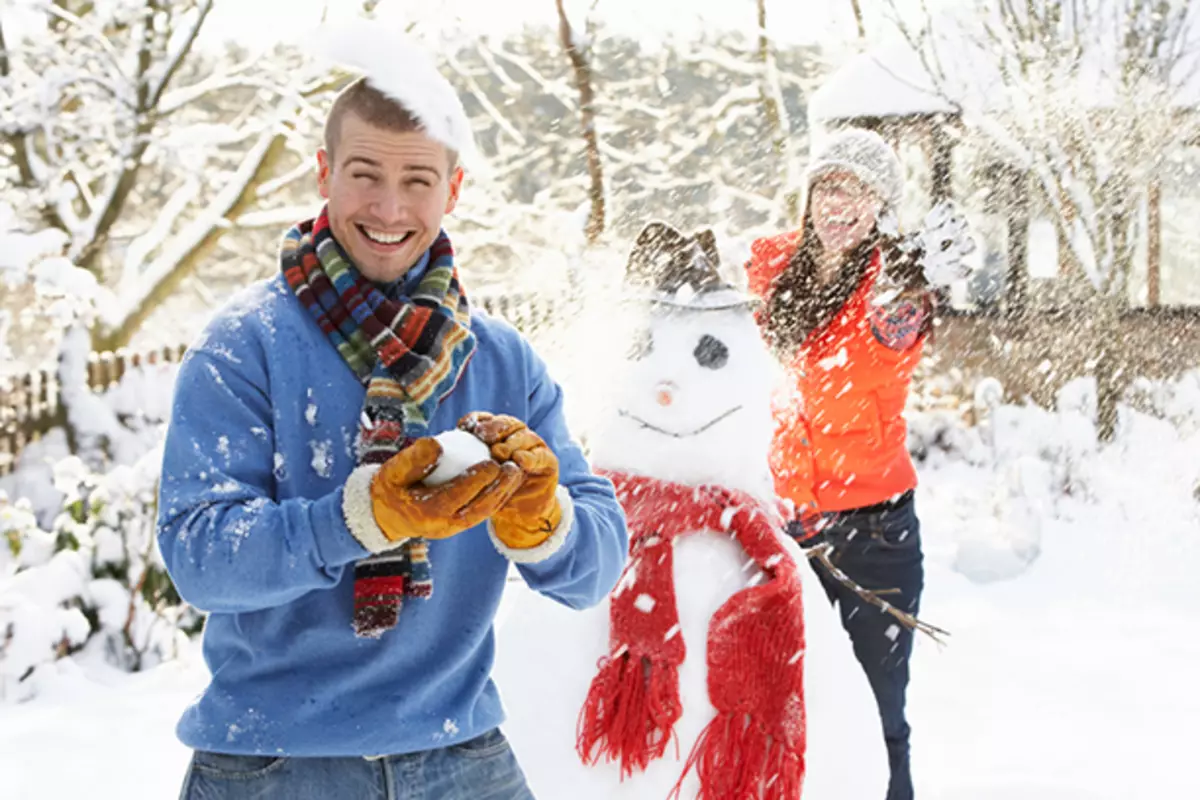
[800, 304]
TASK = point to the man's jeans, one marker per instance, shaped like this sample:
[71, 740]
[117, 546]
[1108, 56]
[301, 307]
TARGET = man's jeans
[880, 549]
[481, 769]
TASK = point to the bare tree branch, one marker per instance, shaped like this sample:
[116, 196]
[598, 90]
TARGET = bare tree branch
[481, 97]
[193, 244]
[777, 119]
[180, 55]
[858, 19]
[587, 114]
[549, 87]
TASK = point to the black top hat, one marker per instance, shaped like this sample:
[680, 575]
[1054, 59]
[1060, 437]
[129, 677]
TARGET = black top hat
[676, 270]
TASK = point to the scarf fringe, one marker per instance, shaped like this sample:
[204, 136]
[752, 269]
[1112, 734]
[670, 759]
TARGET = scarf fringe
[630, 713]
[736, 759]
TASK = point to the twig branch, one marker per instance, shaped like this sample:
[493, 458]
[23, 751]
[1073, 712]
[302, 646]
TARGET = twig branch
[821, 554]
[179, 56]
[485, 102]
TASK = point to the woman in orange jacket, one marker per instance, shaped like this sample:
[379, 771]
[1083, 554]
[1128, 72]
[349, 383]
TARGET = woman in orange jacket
[847, 307]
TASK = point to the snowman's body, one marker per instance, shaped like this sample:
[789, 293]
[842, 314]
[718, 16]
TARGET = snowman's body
[694, 408]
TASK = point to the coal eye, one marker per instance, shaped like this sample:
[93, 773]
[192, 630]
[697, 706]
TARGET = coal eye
[711, 352]
[641, 346]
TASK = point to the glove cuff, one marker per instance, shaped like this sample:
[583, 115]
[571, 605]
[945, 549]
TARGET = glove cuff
[358, 510]
[549, 545]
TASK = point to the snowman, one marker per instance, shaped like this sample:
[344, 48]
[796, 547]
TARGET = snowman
[717, 668]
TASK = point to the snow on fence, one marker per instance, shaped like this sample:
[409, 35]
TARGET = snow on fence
[31, 406]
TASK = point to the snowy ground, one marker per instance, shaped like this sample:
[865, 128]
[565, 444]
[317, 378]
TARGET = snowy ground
[1069, 681]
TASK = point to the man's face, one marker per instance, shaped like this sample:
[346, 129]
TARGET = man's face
[387, 193]
[844, 210]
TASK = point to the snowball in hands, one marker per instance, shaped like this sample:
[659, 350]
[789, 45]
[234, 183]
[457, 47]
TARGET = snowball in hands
[460, 450]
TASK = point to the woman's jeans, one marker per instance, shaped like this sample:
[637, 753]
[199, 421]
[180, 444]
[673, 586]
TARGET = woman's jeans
[879, 548]
[481, 769]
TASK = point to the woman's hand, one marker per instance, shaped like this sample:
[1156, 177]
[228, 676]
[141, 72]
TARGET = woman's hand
[945, 240]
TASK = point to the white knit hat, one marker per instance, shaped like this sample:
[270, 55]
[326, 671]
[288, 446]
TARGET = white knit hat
[866, 156]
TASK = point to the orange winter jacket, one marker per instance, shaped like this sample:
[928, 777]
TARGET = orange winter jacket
[840, 434]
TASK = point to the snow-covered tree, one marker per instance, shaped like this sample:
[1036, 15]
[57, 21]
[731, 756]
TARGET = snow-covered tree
[1087, 98]
[137, 147]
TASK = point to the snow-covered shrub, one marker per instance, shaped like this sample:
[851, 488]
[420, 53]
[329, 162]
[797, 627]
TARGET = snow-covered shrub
[96, 578]
[130, 597]
[40, 609]
[1177, 401]
[1040, 465]
[946, 418]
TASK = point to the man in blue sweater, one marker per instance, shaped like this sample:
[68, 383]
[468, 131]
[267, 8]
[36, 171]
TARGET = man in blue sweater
[351, 605]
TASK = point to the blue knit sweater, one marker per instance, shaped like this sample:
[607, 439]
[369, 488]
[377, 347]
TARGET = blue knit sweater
[252, 530]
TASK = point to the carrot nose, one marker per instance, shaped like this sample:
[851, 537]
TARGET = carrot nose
[664, 394]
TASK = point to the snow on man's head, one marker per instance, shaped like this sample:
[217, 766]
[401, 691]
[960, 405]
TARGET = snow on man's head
[394, 67]
[362, 100]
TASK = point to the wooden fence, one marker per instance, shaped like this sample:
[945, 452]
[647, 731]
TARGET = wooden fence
[32, 406]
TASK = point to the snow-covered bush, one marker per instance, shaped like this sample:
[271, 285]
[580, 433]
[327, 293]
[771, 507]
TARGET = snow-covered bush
[40, 610]
[1176, 401]
[96, 579]
[1019, 468]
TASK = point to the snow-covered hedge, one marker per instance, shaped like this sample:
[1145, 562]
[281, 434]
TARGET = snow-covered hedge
[1018, 468]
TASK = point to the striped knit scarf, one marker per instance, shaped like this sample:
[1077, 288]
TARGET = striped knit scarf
[410, 353]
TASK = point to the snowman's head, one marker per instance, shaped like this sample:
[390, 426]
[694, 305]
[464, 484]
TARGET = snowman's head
[693, 402]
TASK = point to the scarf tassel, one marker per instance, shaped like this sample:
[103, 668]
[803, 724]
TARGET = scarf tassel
[736, 759]
[630, 712]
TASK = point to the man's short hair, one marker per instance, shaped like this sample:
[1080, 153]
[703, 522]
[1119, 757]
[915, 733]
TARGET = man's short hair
[374, 108]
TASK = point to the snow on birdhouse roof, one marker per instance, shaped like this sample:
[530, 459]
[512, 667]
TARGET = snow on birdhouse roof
[892, 80]
[887, 82]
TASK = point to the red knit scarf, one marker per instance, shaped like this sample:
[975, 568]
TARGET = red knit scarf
[754, 747]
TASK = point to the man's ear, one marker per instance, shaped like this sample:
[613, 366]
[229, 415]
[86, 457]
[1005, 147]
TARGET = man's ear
[324, 170]
[456, 180]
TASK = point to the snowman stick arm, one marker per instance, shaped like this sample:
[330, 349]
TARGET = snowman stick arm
[821, 554]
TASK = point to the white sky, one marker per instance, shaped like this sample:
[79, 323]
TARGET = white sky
[256, 21]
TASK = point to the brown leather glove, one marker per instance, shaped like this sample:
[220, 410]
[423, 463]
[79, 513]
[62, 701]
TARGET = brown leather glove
[533, 512]
[405, 508]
